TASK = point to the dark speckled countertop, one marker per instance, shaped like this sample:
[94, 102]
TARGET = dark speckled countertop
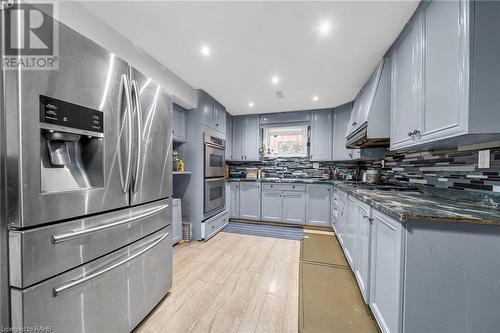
[423, 205]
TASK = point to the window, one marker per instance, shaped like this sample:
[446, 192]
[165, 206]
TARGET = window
[290, 141]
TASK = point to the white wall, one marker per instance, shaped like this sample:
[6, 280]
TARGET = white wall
[77, 17]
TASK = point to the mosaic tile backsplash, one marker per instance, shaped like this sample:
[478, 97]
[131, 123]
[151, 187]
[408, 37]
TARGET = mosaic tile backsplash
[444, 169]
[452, 169]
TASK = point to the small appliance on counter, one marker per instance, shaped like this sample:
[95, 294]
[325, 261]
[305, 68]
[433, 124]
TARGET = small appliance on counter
[371, 176]
[251, 173]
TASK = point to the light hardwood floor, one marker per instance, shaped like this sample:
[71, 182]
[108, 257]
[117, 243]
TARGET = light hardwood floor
[232, 283]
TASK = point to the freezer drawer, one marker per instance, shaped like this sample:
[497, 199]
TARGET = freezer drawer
[110, 294]
[41, 253]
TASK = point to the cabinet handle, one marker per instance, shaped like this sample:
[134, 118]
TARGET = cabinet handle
[410, 134]
[217, 125]
[354, 123]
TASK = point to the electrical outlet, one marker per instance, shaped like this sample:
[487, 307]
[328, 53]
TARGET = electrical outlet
[483, 161]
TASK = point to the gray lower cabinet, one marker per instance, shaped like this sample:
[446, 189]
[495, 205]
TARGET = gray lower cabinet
[350, 230]
[215, 224]
[294, 207]
[272, 205]
[387, 272]
[318, 204]
[234, 200]
[250, 200]
[178, 124]
[321, 135]
[362, 221]
[284, 203]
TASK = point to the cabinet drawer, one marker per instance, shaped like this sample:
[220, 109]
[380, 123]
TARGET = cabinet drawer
[284, 187]
[216, 224]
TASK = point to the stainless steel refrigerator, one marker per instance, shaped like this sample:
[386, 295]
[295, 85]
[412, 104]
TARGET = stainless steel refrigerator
[86, 158]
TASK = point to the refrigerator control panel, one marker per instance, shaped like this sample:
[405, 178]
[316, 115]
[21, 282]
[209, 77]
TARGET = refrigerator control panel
[57, 112]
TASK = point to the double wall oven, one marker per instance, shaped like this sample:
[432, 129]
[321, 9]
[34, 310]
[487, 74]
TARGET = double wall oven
[214, 186]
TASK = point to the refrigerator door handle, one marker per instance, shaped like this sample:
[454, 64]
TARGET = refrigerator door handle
[63, 237]
[128, 98]
[74, 283]
[138, 113]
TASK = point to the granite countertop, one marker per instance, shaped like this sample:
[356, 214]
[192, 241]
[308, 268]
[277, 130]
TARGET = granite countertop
[409, 206]
[421, 206]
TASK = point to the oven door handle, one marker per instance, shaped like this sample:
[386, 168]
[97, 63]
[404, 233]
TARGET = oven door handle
[74, 283]
[214, 145]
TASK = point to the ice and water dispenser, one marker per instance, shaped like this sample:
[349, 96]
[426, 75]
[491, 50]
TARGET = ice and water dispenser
[71, 146]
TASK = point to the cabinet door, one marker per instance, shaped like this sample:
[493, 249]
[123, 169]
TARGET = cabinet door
[406, 76]
[229, 137]
[321, 135]
[238, 139]
[220, 117]
[250, 201]
[341, 116]
[272, 206]
[208, 111]
[252, 139]
[179, 124]
[386, 272]
[176, 221]
[445, 86]
[350, 231]
[318, 204]
[341, 215]
[234, 200]
[294, 207]
[363, 250]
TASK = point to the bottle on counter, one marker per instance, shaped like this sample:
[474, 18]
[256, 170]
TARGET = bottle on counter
[180, 166]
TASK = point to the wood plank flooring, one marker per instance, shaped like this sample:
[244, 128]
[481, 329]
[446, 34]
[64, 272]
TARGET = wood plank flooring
[232, 283]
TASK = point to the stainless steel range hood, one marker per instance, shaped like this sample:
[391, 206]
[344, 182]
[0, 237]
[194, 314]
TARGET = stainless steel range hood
[369, 125]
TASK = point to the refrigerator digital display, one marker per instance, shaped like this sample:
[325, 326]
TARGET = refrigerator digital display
[57, 112]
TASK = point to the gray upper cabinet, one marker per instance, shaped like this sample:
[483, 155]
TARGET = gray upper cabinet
[406, 65]
[445, 37]
[318, 204]
[234, 200]
[341, 116]
[321, 135]
[213, 113]
[229, 137]
[250, 200]
[252, 138]
[246, 138]
[445, 75]
[179, 124]
[283, 117]
[238, 139]
[220, 117]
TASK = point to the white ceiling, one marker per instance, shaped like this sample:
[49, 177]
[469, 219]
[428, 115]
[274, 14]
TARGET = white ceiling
[252, 41]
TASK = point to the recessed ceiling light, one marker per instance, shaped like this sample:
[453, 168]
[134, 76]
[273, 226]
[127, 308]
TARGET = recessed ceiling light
[250, 104]
[315, 98]
[324, 27]
[275, 80]
[205, 50]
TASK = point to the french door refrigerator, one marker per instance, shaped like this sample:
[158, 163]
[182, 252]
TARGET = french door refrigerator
[87, 161]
